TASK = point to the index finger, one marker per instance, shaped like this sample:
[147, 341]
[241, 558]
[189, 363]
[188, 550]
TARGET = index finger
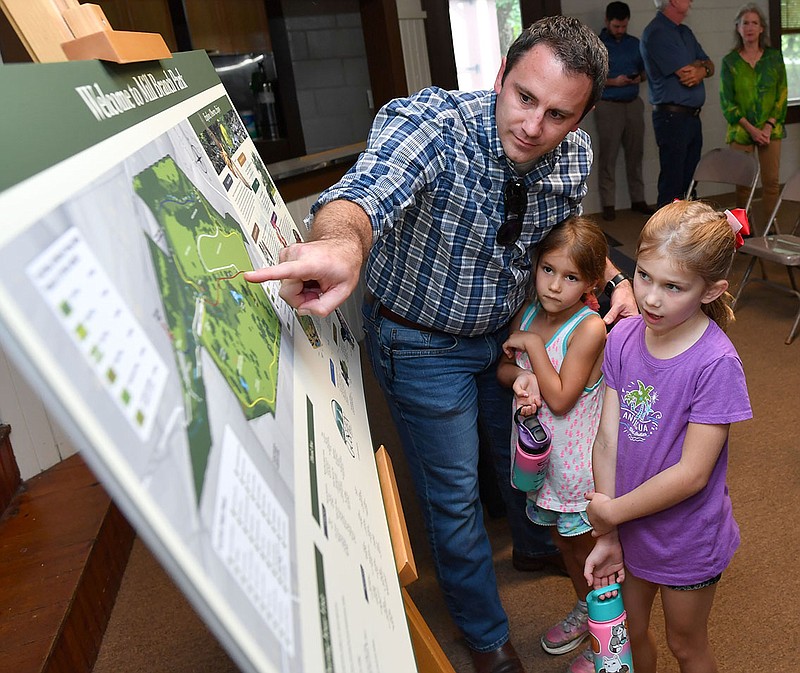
[294, 270]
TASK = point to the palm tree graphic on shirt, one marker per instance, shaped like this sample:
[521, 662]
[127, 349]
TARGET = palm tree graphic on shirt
[641, 420]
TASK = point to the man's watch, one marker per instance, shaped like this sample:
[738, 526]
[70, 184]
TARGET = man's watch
[707, 69]
[611, 285]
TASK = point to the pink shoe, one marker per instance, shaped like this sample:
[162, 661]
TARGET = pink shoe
[583, 663]
[568, 634]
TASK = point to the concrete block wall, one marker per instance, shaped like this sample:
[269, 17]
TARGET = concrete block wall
[331, 75]
[712, 23]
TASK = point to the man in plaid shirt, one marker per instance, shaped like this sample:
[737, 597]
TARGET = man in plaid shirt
[445, 206]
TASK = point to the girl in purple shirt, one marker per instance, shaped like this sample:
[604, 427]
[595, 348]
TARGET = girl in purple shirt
[674, 384]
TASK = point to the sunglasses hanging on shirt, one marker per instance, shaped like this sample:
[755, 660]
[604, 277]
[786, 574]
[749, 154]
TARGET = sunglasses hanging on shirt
[515, 200]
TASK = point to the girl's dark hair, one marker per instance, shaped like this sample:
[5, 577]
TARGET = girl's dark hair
[698, 239]
[585, 242]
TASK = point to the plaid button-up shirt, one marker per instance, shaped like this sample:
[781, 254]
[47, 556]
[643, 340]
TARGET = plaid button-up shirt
[431, 181]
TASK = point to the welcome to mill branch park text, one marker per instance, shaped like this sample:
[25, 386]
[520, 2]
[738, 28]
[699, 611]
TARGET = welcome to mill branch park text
[143, 89]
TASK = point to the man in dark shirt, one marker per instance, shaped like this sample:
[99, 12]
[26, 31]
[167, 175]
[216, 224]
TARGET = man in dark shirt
[676, 66]
[620, 113]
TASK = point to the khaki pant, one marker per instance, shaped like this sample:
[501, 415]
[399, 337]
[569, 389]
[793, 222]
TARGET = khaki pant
[769, 158]
[620, 124]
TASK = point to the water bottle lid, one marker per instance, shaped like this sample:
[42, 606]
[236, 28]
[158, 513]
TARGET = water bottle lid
[534, 436]
[607, 609]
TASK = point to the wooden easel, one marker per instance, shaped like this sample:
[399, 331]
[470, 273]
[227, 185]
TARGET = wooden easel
[64, 30]
[429, 654]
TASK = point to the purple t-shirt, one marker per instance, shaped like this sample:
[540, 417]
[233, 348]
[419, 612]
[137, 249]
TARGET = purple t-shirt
[694, 540]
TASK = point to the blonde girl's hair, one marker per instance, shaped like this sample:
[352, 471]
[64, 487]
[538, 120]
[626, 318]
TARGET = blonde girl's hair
[698, 239]
[585, 242]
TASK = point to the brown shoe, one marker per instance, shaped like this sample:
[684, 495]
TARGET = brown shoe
[609, 213]
[502, 660]
[552, 564]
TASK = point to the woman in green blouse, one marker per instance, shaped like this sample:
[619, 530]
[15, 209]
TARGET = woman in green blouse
[753, 95]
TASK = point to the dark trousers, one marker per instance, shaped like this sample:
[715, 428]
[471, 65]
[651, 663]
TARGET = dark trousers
[680, 142]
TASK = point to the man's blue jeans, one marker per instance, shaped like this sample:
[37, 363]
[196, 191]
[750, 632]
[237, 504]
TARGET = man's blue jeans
[679, 137]
[437, 387]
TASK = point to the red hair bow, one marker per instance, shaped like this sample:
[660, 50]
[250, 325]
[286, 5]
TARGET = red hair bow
[737, 218]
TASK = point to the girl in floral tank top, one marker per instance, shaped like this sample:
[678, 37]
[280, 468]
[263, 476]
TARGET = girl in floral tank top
[553, 361]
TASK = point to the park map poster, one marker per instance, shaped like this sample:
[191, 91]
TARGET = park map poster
[231, 432]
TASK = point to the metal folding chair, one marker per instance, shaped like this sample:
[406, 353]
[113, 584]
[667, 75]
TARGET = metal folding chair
[778, 248]
[728, 167]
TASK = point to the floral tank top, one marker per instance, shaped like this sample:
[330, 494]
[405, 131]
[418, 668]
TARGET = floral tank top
[569, 474]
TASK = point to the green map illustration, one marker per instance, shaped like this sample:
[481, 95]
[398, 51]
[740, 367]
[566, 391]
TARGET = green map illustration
[208, 305]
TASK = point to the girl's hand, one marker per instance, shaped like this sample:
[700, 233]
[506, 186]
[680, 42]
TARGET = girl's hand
[527, 394]
[518, 341]
[599, 511]
[604, 564]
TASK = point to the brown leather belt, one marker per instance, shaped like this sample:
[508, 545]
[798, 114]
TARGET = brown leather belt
[394, 317]
[680, 109]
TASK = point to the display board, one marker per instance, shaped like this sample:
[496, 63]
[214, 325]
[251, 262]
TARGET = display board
[232, 433]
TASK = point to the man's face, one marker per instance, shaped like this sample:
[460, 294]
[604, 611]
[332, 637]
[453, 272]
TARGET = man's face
[617, 28]
[538, 104]
[681, 8]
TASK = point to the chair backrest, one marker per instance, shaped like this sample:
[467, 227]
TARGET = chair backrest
[790, 192]
[730, 167]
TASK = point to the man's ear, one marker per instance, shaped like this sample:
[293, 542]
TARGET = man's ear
[498, 81]
[577, 126]
[715, 291]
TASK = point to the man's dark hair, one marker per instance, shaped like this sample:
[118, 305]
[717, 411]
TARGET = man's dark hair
[617, 11]
[578, 49]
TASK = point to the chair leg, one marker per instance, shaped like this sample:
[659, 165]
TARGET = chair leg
[792, 334]
[792, 281]
[744, 280]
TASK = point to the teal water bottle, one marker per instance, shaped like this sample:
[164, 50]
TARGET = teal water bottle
[608, 631]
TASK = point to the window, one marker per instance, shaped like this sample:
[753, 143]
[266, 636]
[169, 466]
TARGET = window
[482, 32]
[785, 34]
[444, 38]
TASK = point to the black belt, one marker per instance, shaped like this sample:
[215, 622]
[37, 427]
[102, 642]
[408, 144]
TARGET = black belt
[627, 100]
[681, 109]
[394, 317]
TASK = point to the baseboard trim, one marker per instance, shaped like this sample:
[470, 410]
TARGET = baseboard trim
[9, 471]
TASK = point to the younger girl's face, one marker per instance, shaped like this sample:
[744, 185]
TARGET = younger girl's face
[559, 284]
[668, 295]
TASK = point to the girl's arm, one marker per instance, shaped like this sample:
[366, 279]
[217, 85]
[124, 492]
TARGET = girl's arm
[507, 369]
[521, 381]
[701, 448]
[604, 463]
[561, 390]
[604, 450]
[604, 564]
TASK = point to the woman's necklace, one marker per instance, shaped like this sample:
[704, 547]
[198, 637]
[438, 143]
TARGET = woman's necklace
[751, 56]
